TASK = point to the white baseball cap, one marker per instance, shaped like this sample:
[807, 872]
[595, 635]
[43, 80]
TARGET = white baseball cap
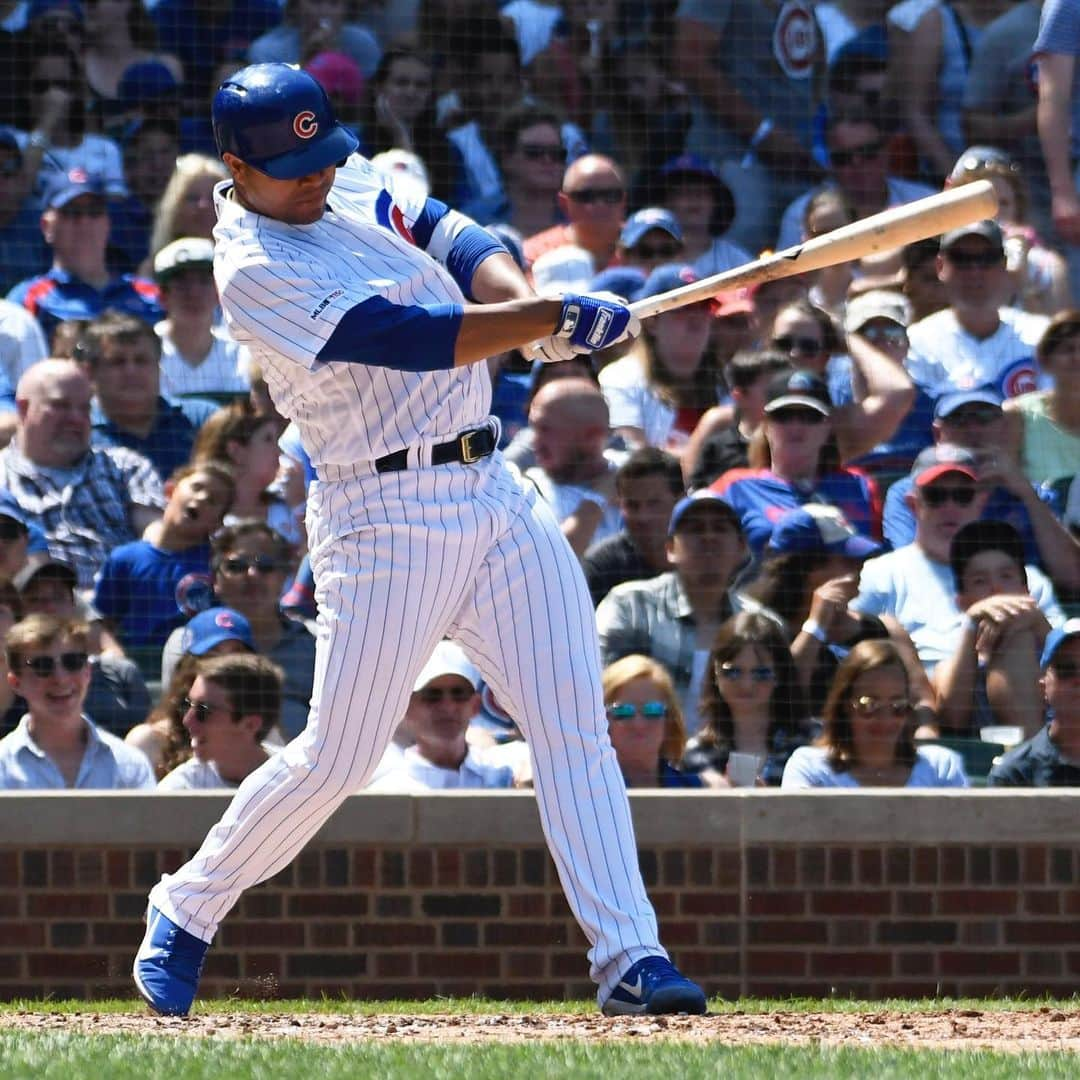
[447, 659]
[182, 253]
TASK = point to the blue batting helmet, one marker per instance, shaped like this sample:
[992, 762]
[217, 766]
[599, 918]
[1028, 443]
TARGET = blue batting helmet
[278, 119]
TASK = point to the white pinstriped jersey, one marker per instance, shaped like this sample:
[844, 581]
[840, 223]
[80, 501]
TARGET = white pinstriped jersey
[945, 357]
[284, 289]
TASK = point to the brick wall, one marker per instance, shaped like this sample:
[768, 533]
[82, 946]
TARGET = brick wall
[869, 894]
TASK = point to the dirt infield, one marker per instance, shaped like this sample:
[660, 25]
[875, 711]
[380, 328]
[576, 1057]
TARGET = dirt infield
[954, 1029]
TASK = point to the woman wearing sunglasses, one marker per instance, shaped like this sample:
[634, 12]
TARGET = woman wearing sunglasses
[795, 460]
[645, 723]
[868, 739]
[751, 706]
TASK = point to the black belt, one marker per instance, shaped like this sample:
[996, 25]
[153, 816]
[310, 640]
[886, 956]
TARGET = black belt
[468, 447]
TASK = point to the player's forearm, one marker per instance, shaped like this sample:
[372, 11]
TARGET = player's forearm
[493, 328]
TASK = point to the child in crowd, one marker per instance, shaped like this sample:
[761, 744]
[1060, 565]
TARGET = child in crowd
[147, 587]
[993, 675]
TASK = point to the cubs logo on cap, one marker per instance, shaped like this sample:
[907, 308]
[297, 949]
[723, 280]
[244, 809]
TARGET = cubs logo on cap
[305, 125]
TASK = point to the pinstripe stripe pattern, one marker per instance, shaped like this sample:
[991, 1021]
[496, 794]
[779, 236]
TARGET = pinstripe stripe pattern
[400, 560]
[464, 550]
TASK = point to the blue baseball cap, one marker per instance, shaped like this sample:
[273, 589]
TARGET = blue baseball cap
[667, 277]
[949, 403]
[213, 626]
[1056, 638]
[64, 187]
[10, 508]
[621, 280]
[818, 527]
[642, 221]
[701, 497]
[148, 80]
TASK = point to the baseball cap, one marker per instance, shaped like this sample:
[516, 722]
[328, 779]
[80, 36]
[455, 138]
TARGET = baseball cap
[1056, 638]
[621, 280]
[876, 304]
[935, 461]
[988, 229]
[213, 626]
[817, 527]
[146, 81]
[403, 162]
[982, 158]
[798, 387]
[447, 659]
[338, 74]
[47, 567]
[667, 277]
[182, 253]
[567, 268]
[949, 403]
[732, 302]
[642, 221]
[702, 497]
[10, 508]
[36, 8]
[691, 165]
[63, 187]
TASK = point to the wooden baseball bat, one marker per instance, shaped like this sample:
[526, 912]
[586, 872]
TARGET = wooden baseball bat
[890, 229]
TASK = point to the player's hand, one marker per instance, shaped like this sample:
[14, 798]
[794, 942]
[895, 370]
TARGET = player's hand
[593, 321]
[551, 350]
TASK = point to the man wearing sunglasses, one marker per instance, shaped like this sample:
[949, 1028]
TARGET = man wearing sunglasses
[250, 563]
[445, 698]
[914, 584]
[55, 744]
[974, 420]
[976, 340]
[79, 285]
[858, 167]
[593, 201]
[232, 707]
[651, 237]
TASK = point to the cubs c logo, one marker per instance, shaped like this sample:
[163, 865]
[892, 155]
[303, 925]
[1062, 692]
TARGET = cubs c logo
[304, 124]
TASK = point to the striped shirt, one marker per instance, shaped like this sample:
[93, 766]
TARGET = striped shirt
[85, 511]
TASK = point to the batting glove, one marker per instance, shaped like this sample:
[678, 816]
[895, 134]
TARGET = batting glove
[551, 350]
[593, 321]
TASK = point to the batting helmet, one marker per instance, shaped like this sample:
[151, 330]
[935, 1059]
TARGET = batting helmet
[278, 119]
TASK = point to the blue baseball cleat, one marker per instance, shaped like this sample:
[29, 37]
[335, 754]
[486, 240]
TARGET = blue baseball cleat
[168, 965]
[654, 986]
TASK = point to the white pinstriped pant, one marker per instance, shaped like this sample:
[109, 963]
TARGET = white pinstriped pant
[400, 560]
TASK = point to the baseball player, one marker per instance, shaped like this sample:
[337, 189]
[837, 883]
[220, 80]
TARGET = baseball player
[370, 310]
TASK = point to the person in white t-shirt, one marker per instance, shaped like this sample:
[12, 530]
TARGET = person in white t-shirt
[197, 354]
[232, 706]
[445, 698]
[914, 584]
[976, 341]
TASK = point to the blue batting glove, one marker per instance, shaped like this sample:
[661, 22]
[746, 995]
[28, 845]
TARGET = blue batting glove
[594, 322]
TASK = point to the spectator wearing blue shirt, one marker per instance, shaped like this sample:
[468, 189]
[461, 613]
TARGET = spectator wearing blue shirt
[22, 248]
[144, 586]
[122, 355]
[973, 419]
[55, 745]
[75, 224]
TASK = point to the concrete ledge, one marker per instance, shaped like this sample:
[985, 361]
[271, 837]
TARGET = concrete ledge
[661, 818]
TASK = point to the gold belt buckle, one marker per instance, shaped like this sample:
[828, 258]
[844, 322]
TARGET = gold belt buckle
[468, 455]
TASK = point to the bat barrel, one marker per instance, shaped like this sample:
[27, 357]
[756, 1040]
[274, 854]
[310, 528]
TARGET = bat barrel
[890, 229]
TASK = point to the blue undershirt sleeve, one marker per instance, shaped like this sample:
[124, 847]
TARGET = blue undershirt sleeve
[458, 243]
[471, 247]
[382, 334]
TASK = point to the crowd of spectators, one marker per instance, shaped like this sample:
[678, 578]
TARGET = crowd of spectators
[830, 524]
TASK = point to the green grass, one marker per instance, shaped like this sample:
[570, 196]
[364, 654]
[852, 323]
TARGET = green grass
[49, 1055]
[487, 1006]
